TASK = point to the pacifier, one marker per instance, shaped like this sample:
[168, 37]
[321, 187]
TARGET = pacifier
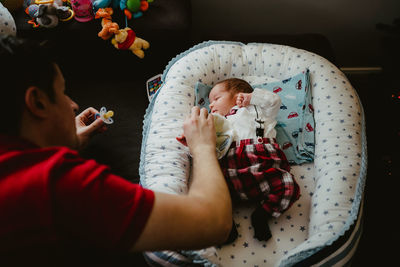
[105, 115]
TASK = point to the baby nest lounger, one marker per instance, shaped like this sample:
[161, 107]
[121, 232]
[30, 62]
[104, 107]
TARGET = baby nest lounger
[324, 226]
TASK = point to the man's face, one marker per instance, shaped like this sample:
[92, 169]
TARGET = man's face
[221, 100]
[63, 114]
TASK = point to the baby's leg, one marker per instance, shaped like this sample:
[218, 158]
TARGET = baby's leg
[259, 220]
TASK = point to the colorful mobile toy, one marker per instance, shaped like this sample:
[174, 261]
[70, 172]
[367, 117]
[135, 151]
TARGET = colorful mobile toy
[47, 13]
[105, 115]
[123, 39]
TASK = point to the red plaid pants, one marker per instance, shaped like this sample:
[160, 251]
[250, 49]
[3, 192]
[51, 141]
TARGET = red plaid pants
[258, 171]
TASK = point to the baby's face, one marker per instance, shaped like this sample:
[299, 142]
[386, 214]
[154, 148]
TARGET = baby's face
[221, 100]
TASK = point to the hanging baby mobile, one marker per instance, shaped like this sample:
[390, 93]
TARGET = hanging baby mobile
[122, 38]
[125, 38]
[48, 13]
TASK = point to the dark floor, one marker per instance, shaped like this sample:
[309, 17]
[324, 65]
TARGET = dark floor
[379, 96]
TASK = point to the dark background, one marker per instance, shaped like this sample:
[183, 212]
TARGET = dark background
[357, 34]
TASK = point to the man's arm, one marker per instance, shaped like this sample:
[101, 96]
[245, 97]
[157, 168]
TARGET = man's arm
[201, 218]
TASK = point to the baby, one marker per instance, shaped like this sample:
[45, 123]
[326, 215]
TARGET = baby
[255, 167]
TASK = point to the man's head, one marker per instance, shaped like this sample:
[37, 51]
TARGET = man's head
[223, 95]
[33, 98]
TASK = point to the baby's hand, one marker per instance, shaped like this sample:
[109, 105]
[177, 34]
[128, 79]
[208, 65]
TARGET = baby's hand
[243, 99]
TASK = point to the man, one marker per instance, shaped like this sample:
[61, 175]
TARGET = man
[52, 200]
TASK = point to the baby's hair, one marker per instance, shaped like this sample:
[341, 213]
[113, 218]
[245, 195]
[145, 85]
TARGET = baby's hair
[235, 85]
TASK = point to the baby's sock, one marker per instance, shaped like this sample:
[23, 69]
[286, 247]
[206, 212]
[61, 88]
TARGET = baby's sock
[259, 220]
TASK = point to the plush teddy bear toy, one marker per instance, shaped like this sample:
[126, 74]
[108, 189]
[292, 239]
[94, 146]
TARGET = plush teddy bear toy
[126, 39]
[109, 28]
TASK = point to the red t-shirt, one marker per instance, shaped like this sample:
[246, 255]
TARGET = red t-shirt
[52, 196]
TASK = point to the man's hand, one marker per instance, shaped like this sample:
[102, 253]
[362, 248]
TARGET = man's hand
[243, 99]
[87, 125]
[199, 131]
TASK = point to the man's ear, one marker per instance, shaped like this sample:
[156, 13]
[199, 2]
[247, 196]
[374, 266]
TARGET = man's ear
[37, 102]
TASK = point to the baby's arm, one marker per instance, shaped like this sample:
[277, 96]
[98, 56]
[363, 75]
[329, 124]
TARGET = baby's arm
[269, 102]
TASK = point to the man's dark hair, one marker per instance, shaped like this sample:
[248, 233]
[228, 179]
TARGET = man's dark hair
[23, 63]
[235, 85]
